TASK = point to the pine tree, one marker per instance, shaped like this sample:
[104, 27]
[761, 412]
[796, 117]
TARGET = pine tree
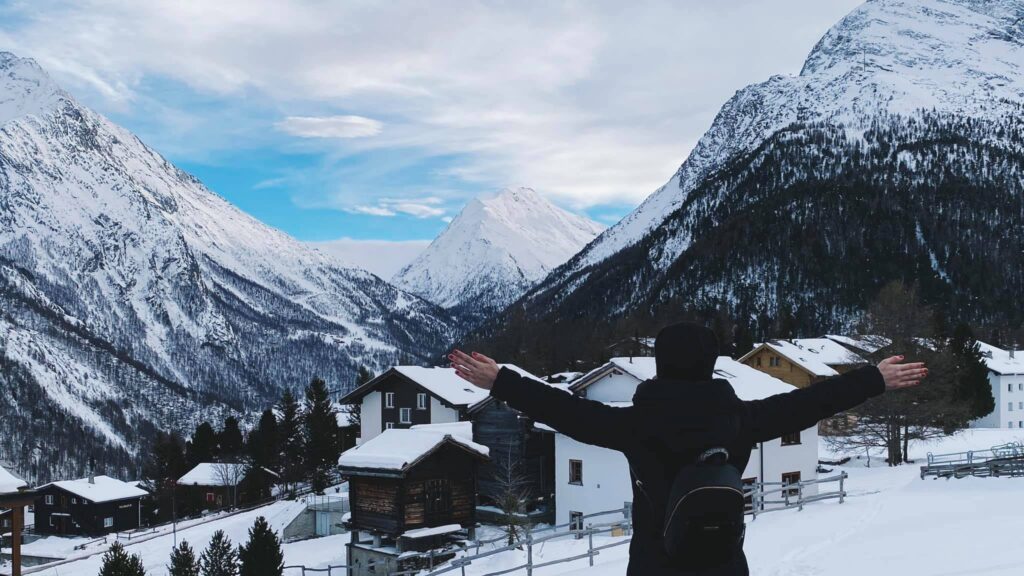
[972, 385]
[203, 446]
[261, 555]
[164, 466]
[117, 562]
[321, 431]
[183, 561]
[229, 441]
[292, 444]
[363, 376]
[263, 449]
[220, 557]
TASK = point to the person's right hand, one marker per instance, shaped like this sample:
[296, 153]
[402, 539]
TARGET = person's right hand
[899, 375]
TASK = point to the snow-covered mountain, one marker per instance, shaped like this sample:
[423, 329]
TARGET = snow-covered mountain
[134, 298]
[894, 153]
[494, 250]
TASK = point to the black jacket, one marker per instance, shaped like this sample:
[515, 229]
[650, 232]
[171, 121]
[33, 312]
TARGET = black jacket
[670, 422]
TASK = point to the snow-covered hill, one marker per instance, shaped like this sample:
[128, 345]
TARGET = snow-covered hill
[896, 154]
[134, 298]
[494, 250]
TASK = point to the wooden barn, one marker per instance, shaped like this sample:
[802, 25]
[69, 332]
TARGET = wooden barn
[88, 506]
[408, 490]
[518, 449]
[803, 361]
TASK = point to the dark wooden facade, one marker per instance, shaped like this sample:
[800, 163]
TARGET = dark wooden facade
[406, 393]
[437, 490]
[512, 438]
[70, 514]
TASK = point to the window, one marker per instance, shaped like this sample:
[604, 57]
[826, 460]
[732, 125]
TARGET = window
[1009, 406]
[421, 401]
[438, 496]
[108, 522]
[405, 415]
[791, 439]
[210, 497]
[774, 361]
[758, 361]
[576, 472]
[1020, 386]
[1009, 387]
[575, 520]
[749, 485]
[49, 499]
[791, 478]
[389, 399]
[389, 425]
[74, 500]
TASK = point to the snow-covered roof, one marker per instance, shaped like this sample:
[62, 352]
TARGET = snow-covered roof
[102, 489]
[440, 381]
[396, 449]
[865, 343]
[999, 361]
[747, 382]
[9, 482]
[806, 358]
[463, 430]
[213, 474]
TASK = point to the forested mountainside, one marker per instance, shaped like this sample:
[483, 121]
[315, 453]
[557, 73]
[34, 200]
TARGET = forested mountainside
[132, 298]
[894, 156]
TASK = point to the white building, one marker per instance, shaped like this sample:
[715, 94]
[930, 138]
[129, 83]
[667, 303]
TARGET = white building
[590, 479]
[1006, 375]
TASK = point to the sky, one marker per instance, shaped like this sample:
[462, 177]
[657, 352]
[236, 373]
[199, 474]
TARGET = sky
[362, 120]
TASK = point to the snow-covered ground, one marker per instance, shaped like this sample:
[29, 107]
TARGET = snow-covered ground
[892, 523]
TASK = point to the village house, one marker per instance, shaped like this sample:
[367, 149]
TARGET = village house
[409, 490]
[15, 495]
[803, 361]
[1006, 376]
[590, 479]
[88, 506]
[212, 485]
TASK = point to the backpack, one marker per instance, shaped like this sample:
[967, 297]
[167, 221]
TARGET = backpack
[704, 515]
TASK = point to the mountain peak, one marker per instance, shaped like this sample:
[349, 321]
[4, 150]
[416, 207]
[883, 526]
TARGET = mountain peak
[497, 246]
[25, 89]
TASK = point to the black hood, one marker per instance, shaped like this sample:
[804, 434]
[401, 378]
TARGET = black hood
[686, 351]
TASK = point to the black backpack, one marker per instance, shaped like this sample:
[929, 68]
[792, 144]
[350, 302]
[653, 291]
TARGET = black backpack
[704, 515]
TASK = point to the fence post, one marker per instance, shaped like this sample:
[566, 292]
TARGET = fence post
[529, 554]
[431, 559]
[842, 494]
[800, 495]
[590, 544]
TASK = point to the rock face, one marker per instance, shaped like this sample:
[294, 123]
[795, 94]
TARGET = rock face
[493, 251]
[133, 298]
[897, 153]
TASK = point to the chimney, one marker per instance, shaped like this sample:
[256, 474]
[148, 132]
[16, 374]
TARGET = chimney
[92, 470]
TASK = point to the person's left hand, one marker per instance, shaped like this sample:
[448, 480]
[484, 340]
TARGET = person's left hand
[477, 369]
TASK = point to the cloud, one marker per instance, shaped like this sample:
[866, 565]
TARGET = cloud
[591, 102]
[419, 207]
[329, 126]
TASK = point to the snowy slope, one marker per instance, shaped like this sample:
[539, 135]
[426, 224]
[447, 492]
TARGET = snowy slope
[131, 291]
[494, 250]
[887, 57]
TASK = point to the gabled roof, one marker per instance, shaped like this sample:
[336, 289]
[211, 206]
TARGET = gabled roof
[441, 382]
[866, 343]
[808, 359]
[999, 361]
[9, 482]
[395, 450]
[213, 474]
[102, 489]
[640, 367]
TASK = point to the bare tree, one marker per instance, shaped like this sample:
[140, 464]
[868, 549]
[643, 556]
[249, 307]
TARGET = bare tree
[230, 475]
[512, 494]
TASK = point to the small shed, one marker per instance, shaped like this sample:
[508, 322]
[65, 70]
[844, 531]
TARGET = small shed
[88, 506]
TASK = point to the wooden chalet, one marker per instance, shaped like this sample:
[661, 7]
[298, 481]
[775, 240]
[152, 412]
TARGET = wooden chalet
[803, 361]
[409, 489]
[88, 506]
[14, 496]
